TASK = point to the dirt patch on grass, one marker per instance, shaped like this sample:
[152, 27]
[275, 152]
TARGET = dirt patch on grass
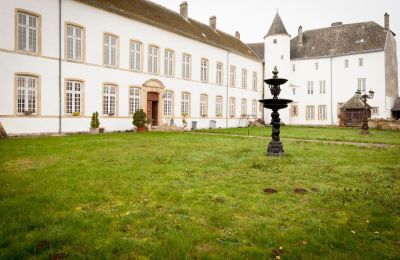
[42, 245]
[59, 256]
[26, 164]
[269, 190]
[300, 191]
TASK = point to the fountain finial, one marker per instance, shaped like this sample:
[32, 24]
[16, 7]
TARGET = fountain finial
[275, 72]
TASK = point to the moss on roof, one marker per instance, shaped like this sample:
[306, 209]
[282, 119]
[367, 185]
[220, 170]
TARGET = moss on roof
[164, 18]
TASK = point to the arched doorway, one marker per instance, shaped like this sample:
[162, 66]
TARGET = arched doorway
[153, 91]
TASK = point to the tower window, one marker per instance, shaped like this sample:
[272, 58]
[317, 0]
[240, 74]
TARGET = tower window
[282, 56]
[275, 41]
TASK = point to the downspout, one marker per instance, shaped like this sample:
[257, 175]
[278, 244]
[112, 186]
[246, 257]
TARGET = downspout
[59, 67]
[331, 94]
[227, 90]
[263, 88]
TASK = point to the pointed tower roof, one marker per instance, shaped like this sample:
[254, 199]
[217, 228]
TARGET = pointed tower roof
[277, 26]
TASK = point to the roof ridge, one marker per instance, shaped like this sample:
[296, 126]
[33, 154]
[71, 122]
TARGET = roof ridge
[341, 25]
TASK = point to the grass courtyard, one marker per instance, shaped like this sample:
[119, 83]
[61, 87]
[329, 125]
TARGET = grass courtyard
[182, 195]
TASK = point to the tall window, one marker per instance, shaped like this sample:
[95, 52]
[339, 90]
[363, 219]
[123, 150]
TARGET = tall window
[203, 105]
[218, 106]
[109, 100]
[293, 67]
[361, 84]
[74, 43]
[153, 59]
[316, 65]
[254, 108]
[244, 78]
[110, 50]
[293, 91]
[28, 32]
[134, 100]
[167, 97]
[204, 70]
[73, 97]
[322, 115]
[243, 107]
[186, 61]
[360, 62]
[254, 80]
[346, 63]
[169, 63]
[136, 55]
[309, 112]
[322, 87]
[294, 110]
[185, 104]
[27, 89]
[232, 76]
[310, 87]
[232, 106]
[219, 73]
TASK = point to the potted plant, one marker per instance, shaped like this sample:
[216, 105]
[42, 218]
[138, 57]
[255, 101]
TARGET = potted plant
[28, 112]
[139, 120]
[94, 123]
[76, 113]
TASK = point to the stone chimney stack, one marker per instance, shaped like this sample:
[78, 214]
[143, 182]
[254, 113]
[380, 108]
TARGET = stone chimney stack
[386, 21]
[237, 35]
[213, 22]
[300, 34]
[184, 9]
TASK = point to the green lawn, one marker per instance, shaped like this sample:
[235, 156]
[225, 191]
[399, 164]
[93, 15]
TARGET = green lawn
[179, 195]
[319, 133]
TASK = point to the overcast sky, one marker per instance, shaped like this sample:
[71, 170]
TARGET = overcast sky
[252, 18]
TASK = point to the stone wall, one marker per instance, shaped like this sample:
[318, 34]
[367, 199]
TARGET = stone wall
[388, 124]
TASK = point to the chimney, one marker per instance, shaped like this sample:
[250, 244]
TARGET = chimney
[213, 22]
[237, 35]
[386, 21]
[184, 9]
[336, 23]
[300, 34]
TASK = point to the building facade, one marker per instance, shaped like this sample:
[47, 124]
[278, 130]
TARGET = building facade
[64, 60]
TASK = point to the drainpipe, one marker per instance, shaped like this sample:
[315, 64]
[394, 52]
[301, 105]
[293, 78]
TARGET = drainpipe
[263, 88]
[331, 94]
[227, 89]
[59, 67]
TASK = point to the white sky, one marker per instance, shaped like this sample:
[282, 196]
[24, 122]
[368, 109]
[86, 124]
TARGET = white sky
[252, 18]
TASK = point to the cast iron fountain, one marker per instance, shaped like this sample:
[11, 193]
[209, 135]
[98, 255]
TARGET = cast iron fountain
[275, 147]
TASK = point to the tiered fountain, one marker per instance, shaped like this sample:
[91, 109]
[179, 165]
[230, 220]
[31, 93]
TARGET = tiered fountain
[275, 147]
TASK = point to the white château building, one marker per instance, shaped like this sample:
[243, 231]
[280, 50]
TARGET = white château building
[62, 60]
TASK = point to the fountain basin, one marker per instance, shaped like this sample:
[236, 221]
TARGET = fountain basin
[275, 81]
[275, 103]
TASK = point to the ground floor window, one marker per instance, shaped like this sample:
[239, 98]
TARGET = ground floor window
[322, 114]
[134, 100]
[244, 107]
[294, 111]
[203, 105]
[309, 112]
[27, 89]
[185, 104]
[73, 97]
[232, 106]
[218, 106]
[109, 100]
[254, 108]
[167, 98]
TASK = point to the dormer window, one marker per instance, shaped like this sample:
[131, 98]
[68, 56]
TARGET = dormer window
[275, 41]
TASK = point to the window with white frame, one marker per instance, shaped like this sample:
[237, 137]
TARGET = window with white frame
[134, 100]
[74, 43]
[375, 110]
[254, 80]
[73, 99]
[316, 65]
[136, 55]
[153, 59]
[339, 105]
[293, 67]
[186, 61]
[322, 115]
[110, 50]
[218, 106]
[28, 32]
[254, 108]
[232, 76]
[361, 84]
[109, 100]
[309, 112]
[294, 110]
[168, 103]
[169, 63]
[27, 90]
[203, 105]
[322, 86]
[232, 106]
[346, 63]
[204, 70]
[293, 91]
[243, 107]
[310, 87]
[219, 73]
[244, 78]
[360, 62]
[185, 104]
[275, 41]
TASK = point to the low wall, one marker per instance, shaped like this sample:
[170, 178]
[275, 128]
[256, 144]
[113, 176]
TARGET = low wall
[390, 124]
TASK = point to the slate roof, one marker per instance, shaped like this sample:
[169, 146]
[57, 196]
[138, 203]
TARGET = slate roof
[258, 49]
[277, 26]
[166, 19]
[354, 103]
[396, 105]
[339, 40]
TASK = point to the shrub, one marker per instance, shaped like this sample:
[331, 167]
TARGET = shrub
[95, 123]
[139, 118]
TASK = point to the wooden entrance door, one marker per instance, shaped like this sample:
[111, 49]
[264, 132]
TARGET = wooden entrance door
[152, 107]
